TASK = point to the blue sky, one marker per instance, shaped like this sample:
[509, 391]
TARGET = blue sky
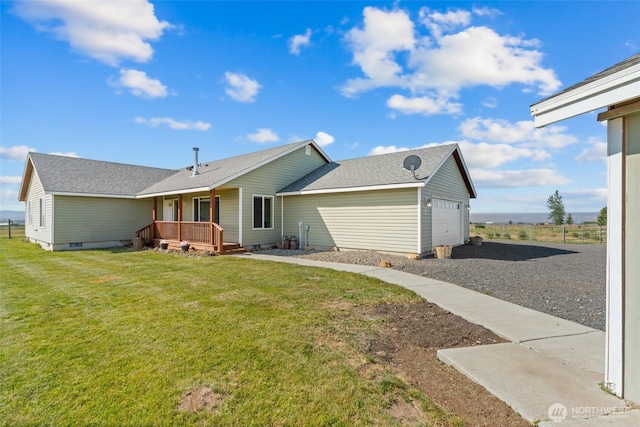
[143, 82]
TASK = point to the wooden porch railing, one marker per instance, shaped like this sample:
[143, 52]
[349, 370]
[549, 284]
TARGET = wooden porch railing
[146, 233]
[190, 231]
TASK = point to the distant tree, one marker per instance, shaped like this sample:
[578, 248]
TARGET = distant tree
[556, 208]
[569, 220]
[602, 216]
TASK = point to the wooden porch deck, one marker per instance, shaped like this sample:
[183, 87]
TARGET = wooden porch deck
[201, 236]
[228, 248]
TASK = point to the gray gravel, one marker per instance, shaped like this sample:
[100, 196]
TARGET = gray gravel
[566, 281]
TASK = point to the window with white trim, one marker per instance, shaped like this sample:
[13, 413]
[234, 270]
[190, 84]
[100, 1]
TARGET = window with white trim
[42, 212]
[262, 212]
[201, 206]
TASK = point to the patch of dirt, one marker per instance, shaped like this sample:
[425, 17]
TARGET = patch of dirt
[200, 399]
[406, 413]
[407, 341]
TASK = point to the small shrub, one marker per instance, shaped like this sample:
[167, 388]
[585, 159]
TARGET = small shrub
[522, 235]
[575, 234]
[480, 226]
[507, 236]
[490, 235]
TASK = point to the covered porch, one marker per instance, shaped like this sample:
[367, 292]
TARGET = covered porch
[203, 233]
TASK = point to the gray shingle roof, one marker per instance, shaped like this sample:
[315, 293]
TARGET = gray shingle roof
[61, 174]
[216, 173]
[384, 169]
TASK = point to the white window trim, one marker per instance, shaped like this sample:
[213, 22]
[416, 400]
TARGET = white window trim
[43, 212]
[263, 196]
[193, 206]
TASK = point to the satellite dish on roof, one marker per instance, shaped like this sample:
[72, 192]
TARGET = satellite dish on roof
[411, 163]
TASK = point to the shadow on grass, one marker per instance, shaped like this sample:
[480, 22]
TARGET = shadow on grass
[507, 251]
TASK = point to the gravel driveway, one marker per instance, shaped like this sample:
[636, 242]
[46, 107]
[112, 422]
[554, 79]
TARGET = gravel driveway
[566, 281]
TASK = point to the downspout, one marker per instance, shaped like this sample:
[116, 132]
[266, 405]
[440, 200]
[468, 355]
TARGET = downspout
[281, 217]
[51, 236]
[240, 216]
[419, 243]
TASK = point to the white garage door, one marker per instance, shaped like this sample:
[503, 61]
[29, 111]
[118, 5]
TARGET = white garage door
[446, 224]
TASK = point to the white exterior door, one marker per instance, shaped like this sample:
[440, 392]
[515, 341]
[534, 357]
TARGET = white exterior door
[170, 210]
[446, 222]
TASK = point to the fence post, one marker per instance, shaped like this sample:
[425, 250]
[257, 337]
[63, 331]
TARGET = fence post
[9, 227]
[600, 234]
[530, 232]
[564, 234]
[500, 232]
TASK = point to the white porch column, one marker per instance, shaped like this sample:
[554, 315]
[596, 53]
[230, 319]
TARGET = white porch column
[615, 260]
[631, 319]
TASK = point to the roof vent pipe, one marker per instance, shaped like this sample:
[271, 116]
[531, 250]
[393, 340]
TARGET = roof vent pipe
[195, 161]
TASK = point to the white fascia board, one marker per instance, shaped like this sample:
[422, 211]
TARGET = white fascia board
[352, 189]
[174, 192]
[609, 90]
[107, 196]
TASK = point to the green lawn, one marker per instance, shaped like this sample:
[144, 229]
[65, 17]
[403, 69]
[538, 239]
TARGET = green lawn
[117, 337]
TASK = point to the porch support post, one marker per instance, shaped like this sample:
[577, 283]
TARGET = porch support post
[212, 210]
[154, 217]
[180, 217]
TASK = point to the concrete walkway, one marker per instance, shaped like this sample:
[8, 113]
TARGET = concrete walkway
[551, 370]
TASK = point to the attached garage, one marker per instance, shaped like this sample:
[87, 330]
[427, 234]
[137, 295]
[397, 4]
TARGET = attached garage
[373, 203]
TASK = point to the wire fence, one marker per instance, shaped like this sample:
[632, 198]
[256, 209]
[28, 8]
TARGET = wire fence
[11, 230]
[582, 233]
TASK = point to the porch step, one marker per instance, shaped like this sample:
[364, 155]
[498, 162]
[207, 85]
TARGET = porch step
[233, 251]
[232, 248]
[227, 247]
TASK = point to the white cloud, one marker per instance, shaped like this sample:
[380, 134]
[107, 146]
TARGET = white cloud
[423, 105]
[67, 154]
[323, 139]
[485, 155]
[374, 47]
[490, 102]
[516, 178]
[108, 31]
[10, 179]
[139, 84]
[586, 199]
[438, 22]
[522, 132]
[263, 135]
[17, 152]
[298, 41]
[381, 149]
[173, 124]
[241, 88]
[438, 59]
[9, 197]
[595, 152]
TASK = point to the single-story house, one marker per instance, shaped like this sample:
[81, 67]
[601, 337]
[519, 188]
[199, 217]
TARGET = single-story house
[618, 89]
[253, 200]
